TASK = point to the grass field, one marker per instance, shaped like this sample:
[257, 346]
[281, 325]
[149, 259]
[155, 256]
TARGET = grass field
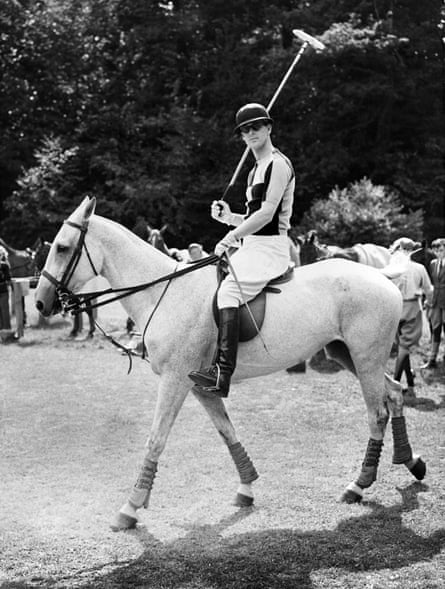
[72, 429]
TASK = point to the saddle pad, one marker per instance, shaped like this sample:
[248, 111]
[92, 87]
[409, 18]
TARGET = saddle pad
[257, 306]
[247, 329]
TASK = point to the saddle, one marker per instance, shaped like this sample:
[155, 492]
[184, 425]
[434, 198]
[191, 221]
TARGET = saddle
[257, 306]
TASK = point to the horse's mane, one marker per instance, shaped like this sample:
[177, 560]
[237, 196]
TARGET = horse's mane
[127, 232]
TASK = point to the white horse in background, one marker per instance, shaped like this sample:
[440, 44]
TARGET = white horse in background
[370, 254]
[350, 309]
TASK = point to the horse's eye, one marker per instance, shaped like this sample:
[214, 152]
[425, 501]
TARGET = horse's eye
[61, 249]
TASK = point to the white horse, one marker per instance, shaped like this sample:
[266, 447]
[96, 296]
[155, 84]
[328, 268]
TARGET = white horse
[348, 308]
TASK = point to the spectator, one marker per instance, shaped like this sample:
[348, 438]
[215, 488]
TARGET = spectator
[436, 312]
[5, 281]
[195, 252]
[413, 281]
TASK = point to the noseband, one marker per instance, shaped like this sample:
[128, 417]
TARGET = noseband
[65, 295]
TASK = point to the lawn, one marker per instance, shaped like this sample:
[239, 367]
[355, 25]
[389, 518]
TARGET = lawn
[72, 429]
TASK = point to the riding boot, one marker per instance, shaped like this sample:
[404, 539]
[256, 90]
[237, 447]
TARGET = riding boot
[432, 362]
[216, 378]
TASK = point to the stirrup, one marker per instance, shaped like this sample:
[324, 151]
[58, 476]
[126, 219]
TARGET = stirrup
[216, 391]
[208, 381]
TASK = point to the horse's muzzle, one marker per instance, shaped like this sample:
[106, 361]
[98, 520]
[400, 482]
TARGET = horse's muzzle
[45, 310]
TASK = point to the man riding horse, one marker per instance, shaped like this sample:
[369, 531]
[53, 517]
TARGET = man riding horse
[264, 252]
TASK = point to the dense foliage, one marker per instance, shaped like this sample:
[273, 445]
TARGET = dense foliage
[133, 101]
[361, 213]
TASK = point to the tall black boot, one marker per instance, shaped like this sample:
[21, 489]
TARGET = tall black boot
[216, 378]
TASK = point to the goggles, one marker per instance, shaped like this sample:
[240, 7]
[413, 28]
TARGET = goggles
[244, 129]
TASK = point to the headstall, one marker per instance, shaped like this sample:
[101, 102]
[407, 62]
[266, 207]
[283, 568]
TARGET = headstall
[69, 300]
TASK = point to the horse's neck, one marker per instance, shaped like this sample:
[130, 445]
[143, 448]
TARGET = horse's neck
[129, 262]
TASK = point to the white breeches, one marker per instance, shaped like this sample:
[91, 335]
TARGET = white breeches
[260, 259]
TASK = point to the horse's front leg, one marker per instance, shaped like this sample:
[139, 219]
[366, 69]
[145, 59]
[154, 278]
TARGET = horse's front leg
[216, 409]
[171, 394]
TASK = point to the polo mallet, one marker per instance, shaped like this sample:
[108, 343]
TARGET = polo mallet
[307, 40]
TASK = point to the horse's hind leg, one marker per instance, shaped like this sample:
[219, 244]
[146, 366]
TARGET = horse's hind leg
[402, 453]
[372, 383]
[378, 418]
[246, 470]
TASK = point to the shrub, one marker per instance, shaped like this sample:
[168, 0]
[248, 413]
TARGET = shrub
[361, 213]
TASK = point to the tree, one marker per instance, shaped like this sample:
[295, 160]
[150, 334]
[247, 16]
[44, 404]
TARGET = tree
[37, 201]
[146, 91]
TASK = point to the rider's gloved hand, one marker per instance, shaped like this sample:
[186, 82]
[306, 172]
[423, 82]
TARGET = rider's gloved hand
[226, 243]
[220, 211]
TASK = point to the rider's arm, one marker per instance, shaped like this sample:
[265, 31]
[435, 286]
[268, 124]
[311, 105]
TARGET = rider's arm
[236, 219]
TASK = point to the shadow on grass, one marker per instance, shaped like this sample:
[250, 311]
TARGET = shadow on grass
[276, 558]
[426, 405]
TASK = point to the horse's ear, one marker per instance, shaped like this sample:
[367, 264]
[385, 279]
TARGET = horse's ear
[90, 202]
[312, 236]
[163, 229]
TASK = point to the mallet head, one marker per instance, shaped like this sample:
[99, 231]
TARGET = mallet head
[306, 38]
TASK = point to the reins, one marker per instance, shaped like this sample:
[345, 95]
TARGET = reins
[87, 297]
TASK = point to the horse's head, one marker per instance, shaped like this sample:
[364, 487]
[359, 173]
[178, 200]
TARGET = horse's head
[72, 260]
[310, 250]
[156, 239]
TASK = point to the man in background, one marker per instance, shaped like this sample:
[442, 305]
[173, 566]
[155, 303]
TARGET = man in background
[413, 281]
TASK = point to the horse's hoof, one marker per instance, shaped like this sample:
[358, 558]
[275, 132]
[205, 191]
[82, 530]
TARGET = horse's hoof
[419, 470]
[351, 497]
[243, 500]
[123, 522]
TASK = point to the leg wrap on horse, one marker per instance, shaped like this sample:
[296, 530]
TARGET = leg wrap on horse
[402, 449]
[246, 469]
[141, 491]
[370, 464]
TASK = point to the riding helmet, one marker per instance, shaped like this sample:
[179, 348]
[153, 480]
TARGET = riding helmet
[250, 113]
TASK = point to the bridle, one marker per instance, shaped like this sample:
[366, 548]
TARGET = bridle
[65, 295]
